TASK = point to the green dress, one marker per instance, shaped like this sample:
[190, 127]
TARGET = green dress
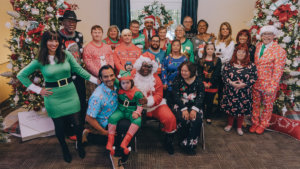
[64, 100]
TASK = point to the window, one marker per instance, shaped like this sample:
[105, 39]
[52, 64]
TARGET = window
[172, 6]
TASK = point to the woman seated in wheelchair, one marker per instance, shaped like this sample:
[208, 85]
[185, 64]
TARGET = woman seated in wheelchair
[128, 107]
[188, 94]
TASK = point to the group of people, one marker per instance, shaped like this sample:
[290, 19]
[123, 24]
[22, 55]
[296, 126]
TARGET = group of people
[138, 72]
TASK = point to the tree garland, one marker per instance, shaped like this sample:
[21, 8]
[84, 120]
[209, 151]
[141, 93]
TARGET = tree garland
[283, 14]
[158, 10]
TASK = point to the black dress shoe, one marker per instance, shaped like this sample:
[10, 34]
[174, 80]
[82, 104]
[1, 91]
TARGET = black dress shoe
[208, 121]
[80, 150]
[191, 151]
[67, 157]
[168, 143]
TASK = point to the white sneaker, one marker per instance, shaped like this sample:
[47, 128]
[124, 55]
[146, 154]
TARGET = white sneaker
[227, 128]
[240, 131]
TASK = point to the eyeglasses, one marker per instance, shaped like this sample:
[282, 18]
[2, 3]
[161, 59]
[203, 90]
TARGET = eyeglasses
[147, 66]
[267, 34]
[178, 30]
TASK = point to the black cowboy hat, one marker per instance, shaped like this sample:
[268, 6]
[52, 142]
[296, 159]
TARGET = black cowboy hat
[69, 15]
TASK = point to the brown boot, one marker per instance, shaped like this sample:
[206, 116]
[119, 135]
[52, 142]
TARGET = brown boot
[125, 143]
[110, 143]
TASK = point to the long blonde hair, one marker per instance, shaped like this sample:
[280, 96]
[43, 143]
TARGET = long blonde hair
[227, 39]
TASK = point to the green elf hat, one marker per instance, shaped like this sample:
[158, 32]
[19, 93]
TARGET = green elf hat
[125, 75]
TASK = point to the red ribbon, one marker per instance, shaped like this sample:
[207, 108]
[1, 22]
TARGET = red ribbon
[40, 29]
[284, 13]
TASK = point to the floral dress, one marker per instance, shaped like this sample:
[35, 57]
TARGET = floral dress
[237, 102]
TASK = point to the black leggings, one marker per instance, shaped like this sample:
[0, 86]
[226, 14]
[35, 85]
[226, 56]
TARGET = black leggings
[208, 104]
[59, 124]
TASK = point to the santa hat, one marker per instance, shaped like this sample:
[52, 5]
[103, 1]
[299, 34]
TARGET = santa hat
[125, 75]
[150, 18]
[267, 28]
[149, 59]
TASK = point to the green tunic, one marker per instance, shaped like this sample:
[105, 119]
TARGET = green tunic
[64, 100]
[186, 48]
[126, 112]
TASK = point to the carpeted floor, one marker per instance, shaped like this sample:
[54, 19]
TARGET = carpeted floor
[223, 150]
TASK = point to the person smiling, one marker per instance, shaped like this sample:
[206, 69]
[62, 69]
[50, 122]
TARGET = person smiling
[238, 76]
[270, 62]
[186, 45]
[60, 96]
[96, 54]
[127, 51]
[113, 39]
[244, 37]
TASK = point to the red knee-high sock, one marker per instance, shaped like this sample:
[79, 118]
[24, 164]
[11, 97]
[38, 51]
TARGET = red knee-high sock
[230, 119]
[240, 121]
[130, 133]
[111, 138]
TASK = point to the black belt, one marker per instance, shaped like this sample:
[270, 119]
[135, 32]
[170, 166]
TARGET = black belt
[126, 102]
[59, 83]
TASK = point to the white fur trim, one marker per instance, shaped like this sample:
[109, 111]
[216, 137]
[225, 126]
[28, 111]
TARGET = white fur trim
[144, 83]
[35, 88]
[185, 108]
[150, 101]
[155, 107]
[196, 108]
[93, 79]
[268, 28]
[138, 63]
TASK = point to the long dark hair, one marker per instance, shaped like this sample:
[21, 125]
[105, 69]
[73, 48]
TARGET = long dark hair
[43, 52]
[214, 57]
[244, 32]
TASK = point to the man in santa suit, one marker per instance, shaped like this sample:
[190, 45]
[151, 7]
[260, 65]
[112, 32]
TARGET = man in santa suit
[270, 61]
[148, 31]
[148, 82]
[126, 51]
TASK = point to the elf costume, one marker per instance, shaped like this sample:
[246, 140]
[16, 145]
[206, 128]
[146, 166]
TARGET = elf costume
[128, 104]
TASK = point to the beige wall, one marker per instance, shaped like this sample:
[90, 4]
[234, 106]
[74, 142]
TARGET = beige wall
[4, 31]
[237, 12]
[5, 89]
[92, 12]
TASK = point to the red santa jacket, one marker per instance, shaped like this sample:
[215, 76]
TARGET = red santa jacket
[269, 67]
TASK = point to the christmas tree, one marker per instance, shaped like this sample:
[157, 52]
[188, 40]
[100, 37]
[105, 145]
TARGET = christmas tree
[30, 19]
[3, 136]
[284, 15]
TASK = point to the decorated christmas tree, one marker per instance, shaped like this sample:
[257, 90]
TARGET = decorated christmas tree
[30, 18]
[3, 136]
[158, 10]
[283, 14]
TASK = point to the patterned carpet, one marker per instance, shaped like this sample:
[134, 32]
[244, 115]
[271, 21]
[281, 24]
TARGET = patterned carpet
[223, 150]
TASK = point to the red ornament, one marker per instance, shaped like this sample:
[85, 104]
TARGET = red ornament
[37, 108]
[260, 15]
[26, 102]
[14, 57]
[18, 9]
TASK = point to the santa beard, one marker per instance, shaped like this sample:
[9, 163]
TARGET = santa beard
[144, 83]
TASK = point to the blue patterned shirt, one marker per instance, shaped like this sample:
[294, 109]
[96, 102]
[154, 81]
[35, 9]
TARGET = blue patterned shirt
[102, 104]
